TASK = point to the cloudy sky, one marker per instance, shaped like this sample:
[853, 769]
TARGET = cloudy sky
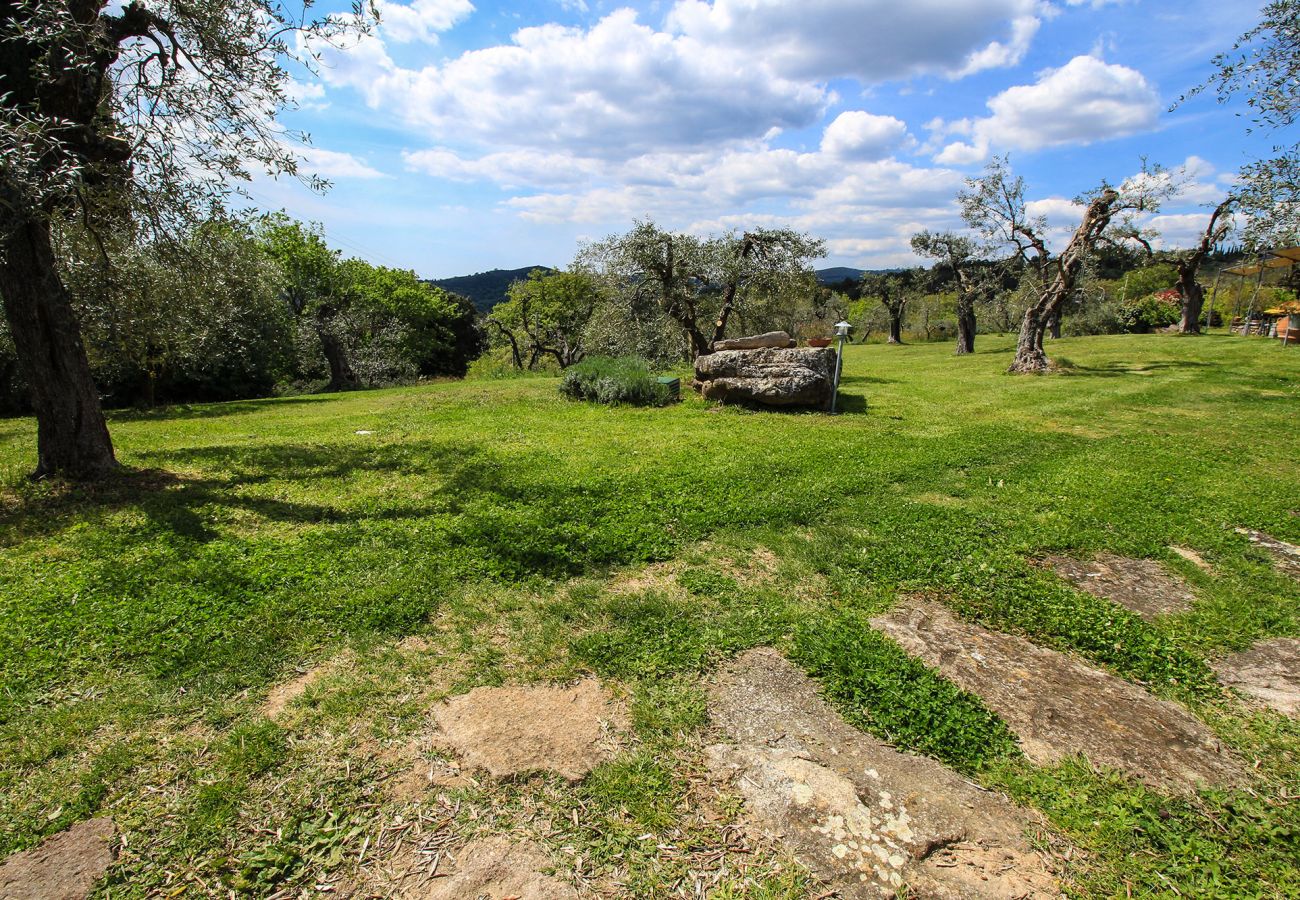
[465, 136]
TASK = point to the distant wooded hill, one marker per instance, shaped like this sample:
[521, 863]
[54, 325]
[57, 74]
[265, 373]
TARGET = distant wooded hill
[486, 289]
[836, 274]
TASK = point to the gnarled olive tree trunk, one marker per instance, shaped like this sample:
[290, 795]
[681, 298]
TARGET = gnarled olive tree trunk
[71, 434]
[1063, 272]
[1191, 293]
[342, 378]
[965, 325]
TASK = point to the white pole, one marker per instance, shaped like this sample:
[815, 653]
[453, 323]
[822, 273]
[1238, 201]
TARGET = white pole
[839, 363]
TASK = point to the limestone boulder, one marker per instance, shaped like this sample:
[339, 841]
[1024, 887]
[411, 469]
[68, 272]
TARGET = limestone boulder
[793, 376]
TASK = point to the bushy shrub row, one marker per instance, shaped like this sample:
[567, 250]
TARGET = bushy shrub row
[1150, 313]
[614, 380]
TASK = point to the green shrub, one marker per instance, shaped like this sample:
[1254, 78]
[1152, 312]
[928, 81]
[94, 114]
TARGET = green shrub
[613, 380]
[1149, 313]
[1105, 317]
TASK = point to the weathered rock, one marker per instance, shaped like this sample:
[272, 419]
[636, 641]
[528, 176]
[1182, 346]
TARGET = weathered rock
[1057, 706]
[62, 867]
[1268, 671]
[1192, 557]
[497, 868]
[863, 817]
[1285, 556]
[1142, 585]
[487, 868]
[800, 376]
[520, 729]
[755, 342]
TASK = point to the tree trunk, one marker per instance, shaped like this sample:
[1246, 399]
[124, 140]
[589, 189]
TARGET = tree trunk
[515, 356]
[1190, 292]
[1031, 358]
[728, 304]
[965, 329]
[342, 378]
[1193, 297]
[895, 326]
[71, 434]
[1054, 325]
[700, 345]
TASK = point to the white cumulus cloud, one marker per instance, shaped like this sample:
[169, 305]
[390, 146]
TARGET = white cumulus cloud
[333, 164]
[618, 89]
[420, 20]
[871, 40]
[1084, 101]
[860, 135]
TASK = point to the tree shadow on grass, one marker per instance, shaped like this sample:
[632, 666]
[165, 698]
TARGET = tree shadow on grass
[866, 379]
[1121, 369]
[175, 501]
[851, 403]
[511, 516]
[214, 410]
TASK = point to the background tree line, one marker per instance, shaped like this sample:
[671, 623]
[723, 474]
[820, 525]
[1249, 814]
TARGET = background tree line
[238, 308]
[664, 296]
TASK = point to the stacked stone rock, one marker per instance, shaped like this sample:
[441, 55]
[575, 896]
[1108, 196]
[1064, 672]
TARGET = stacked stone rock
[767, 369]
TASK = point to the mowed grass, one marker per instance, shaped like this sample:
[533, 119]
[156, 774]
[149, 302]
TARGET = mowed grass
[142, 623]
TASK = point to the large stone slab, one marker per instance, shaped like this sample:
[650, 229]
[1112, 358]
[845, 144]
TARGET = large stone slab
[1285, 556]
[798, 376]
[1058, 706]
[1142, 585]
[518, 729]
[867, 820]
[65, 866]
[1268, 671]
[496, 868]
[755, 342]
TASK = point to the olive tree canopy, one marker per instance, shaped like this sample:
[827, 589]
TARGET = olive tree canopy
[1264, 65]
[134, 117]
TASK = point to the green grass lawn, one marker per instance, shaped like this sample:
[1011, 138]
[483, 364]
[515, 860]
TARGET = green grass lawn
[141, 624]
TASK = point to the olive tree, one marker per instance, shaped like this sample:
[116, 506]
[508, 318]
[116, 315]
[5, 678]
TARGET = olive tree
[231, 341]
[961, 259]
[893, 291]
[701, 283]
[145, 112]
[313, 287]
[995, 206]
[1191, 292]
[547, 314]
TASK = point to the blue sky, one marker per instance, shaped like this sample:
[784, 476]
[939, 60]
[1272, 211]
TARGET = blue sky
[462, 137]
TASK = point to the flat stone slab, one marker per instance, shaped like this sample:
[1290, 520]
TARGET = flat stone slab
[515, 730]
[1192, 557]
[769, 339]
[1285, 556]
[866, 819]
[1268, 671]
[1142, 585]
[1058, 706]
[496, 868]
[65, 866]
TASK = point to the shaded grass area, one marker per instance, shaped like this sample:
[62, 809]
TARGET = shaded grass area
[141, 623]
